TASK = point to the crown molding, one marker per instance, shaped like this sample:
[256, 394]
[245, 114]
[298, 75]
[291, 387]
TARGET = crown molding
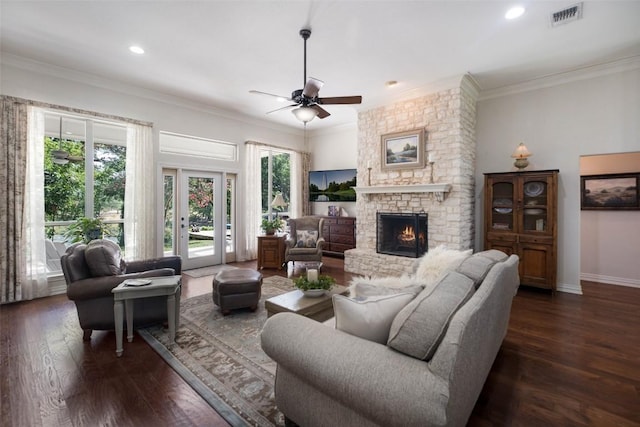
[584, 73]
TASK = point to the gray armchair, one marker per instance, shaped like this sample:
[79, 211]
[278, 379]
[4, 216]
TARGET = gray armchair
[305, 239]
[92, 271]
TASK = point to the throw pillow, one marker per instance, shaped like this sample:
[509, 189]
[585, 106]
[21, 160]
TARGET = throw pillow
[364, 287]
[439, 260]
[306, 238]
[369, 319]
[419, 327]
[103, 258]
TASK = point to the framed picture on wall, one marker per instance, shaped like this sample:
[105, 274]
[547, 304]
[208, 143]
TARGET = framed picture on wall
[610, 192]
[403, 150]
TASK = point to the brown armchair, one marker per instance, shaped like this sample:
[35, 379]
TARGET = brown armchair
[92, 271]
[305, 239]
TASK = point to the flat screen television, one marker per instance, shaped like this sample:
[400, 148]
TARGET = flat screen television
[332, 185]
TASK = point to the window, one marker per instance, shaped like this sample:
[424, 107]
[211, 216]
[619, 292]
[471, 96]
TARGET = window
[169, 178]
[84, 168]
[231, 214]
[276, 179]
[171, 143]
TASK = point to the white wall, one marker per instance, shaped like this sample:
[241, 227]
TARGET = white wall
[334, 149]
[62, 87]
[610, 240]
[559, 124]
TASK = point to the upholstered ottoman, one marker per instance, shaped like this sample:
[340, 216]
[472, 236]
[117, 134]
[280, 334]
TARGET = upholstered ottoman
[237, 288]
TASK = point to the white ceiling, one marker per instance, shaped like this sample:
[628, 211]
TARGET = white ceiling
[213, 52]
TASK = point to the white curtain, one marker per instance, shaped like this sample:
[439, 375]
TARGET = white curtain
[297, 183]
[253, 201]
[35, 284]
[139, 200]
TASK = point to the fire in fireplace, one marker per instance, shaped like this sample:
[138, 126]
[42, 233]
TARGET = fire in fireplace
[402, 234]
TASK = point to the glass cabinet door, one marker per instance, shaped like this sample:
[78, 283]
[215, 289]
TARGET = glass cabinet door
[534, 206]
[502, 206]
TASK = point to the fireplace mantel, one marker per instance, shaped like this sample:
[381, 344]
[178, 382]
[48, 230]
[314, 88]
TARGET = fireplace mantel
[438, 190]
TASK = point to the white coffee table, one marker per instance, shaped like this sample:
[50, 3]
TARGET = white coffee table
[124, 295]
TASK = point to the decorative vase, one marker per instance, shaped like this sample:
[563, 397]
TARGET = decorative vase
[314, 293]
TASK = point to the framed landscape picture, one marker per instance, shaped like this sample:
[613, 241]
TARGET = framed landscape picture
[403, 150]
[333, 186]
[610, 192]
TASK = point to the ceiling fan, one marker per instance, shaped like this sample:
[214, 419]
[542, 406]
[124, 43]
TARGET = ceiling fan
[62, 157]
[306, 100]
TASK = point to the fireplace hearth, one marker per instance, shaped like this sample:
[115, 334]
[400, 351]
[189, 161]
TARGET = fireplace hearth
[401, 234]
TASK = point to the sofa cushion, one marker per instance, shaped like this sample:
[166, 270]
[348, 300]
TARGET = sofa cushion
[103, 258]
[371, 318]
[476, 267]
[420, 326]
[494, 254]
[364, 287]
[306, 238]
[437, 261]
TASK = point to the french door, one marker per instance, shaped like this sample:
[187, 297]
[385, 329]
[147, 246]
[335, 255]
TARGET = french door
[194, 213]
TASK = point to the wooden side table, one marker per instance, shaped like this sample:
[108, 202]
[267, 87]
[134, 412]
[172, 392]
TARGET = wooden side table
[271, 251]
[124, 295]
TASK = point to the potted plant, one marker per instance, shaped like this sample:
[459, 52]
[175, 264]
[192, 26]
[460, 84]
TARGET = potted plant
[314, 288]
[85, 230]
[271, 226]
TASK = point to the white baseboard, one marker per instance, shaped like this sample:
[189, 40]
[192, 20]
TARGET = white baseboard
[569, 288]
[610, 280]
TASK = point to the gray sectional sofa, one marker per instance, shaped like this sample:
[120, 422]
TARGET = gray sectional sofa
[328, 377]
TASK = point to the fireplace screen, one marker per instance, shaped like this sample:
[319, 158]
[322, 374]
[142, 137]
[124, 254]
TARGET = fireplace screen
[402, 234]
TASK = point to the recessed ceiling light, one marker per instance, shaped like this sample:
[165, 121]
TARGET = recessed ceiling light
[391, 83]
[514, 12]
[136, 49]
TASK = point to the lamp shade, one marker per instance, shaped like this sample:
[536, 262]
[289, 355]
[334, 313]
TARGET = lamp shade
[521, 152]
[60, 160]
[278, 202]
[304, 114]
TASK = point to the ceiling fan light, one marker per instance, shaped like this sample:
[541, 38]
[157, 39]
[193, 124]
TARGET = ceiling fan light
[304, 114]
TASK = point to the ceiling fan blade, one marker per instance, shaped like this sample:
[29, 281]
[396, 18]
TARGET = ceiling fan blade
[322, 113]
[312, 87]
[340, 100]
[75, 158]
[282, 108]
[257, 92]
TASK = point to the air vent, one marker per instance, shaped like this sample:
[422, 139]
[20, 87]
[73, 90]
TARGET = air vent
[571, 13]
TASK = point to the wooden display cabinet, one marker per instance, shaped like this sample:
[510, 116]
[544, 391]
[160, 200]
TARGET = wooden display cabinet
[271, 251]
[520, 212]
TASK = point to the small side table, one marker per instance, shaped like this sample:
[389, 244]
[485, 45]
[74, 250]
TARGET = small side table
[124, 295]
[271, 251]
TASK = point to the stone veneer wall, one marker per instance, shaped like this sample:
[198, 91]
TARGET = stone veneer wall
[449, 119]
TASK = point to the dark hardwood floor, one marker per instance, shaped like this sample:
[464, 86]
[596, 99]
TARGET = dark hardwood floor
[567, 360]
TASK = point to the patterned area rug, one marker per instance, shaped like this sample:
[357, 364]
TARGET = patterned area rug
[221, 358]
[207, 271]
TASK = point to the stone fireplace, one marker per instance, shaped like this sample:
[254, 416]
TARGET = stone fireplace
[448, 118]
[401, 234]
